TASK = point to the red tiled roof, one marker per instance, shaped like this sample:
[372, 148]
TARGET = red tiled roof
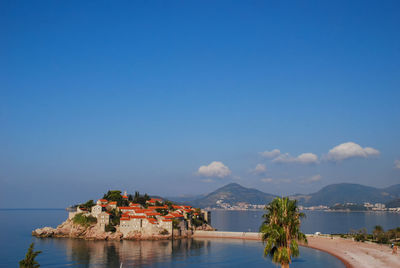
[103, 200]
[177, 215]
[125, 219]
[151, 220]
[134, 205]
[166, 220]
[103, 206]
[126, 208]
[158, 207]
[138, 210]
[124, 196]
[153, 200]
[152, 213]
[137, 217]
[112, 203]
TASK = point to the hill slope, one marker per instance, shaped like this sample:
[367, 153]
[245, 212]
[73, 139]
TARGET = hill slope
[232, 194]
[348, 192]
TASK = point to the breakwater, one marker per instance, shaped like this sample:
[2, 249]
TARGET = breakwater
[234, 235]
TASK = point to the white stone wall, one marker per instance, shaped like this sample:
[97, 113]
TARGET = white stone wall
[131, 226]
[167, 225]
[144, 227]
[103, 219]
[96, 210]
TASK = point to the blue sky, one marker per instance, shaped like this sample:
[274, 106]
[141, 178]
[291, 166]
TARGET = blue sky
[140, 95]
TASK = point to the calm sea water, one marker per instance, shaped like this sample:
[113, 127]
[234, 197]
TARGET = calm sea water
[315, 221]
[16, 227]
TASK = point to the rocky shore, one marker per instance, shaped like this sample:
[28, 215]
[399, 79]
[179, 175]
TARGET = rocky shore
[68, 229]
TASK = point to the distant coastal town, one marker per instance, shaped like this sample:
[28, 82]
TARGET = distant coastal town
[348, 206]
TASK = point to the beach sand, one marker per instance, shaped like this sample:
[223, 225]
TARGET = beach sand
[356, 254]
[352, 254]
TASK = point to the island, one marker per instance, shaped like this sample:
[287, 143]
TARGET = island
[119, 216]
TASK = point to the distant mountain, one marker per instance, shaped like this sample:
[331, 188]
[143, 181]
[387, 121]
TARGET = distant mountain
[393, 190]
[395, 203]
[232, 194]
[349, 193]
[330, 195]
[184, 198]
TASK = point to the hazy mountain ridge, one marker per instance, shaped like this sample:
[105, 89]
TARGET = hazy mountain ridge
[349, 193]
[329, 195]
[233, 193]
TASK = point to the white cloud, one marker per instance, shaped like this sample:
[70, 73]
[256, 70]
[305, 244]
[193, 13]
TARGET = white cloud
[350, 150]
[271, 154]
[214, 169]
[259, 169]
[397, 164]
[312, 179]
[305, 158]
[267, 180]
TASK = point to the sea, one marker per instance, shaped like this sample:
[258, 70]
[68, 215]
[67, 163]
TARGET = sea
[16, 227]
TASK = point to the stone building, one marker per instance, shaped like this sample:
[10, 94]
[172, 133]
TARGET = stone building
[103, 218]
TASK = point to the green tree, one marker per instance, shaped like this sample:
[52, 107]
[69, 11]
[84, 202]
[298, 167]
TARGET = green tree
[378, 230]
[281, 230]
[116, 196]
[88, 205]
[29, 261]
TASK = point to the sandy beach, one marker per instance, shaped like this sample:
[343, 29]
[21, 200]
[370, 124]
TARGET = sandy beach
[352, 254]
[356, 254]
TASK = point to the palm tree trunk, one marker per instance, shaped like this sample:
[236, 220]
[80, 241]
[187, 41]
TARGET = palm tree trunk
[284, 265]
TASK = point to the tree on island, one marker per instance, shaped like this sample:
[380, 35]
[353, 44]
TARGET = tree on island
[29, 261]
[281, 230]
[115, 195]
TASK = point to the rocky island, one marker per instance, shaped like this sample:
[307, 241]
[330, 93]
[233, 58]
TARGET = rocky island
[136, 217]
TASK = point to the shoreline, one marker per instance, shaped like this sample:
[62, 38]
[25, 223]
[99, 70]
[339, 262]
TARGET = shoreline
[346, 263]
[352, 254]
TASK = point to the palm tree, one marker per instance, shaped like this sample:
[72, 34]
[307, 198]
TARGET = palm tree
[281, 230]
[29, 261]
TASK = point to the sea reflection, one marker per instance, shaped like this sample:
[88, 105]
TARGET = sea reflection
[84, 253]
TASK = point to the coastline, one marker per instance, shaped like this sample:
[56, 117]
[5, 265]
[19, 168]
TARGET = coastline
[352, 254]
[331, 252]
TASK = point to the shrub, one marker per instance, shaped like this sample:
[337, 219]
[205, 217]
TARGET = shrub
[84, 220]
[361, 235]
[164, 232]
[29, 261]
[175, 223]
[110, 228]
[382, 239]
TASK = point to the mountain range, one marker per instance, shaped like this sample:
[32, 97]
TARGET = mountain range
[234, 193]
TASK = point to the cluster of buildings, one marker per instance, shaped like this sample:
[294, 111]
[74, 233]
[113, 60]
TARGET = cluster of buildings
[366, 206]
[320, 207]
[377, 206]
[220, 204]
[136, 219]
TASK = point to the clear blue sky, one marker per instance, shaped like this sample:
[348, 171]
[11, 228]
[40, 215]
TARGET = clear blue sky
[138, 95]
